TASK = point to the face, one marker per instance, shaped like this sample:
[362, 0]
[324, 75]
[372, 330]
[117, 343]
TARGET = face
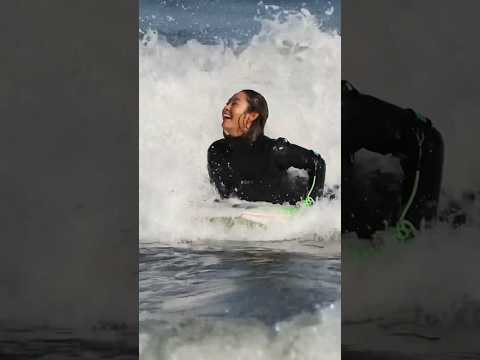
[236, 119]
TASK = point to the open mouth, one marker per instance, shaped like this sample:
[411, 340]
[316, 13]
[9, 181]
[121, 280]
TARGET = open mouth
[226, 116]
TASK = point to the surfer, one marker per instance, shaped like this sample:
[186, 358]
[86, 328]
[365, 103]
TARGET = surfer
[251, 166]
[377, 126]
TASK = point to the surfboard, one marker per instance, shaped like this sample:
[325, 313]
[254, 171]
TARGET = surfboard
[250, 215]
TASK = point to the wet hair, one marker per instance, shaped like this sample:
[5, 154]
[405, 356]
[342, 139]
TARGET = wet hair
[258, 104]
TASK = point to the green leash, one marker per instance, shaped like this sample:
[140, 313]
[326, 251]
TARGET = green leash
[308, 201]
[405, 230]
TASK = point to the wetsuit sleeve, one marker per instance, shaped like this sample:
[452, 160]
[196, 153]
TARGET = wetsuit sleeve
[291, 155]
[370, 123]
[218, 170]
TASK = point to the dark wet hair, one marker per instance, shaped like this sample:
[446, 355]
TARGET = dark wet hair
[258, 104]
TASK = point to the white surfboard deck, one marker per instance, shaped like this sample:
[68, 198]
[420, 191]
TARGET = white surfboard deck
[247, 213]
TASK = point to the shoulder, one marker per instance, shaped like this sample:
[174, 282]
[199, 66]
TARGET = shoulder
[282, 146]
[348, 88]
[279, 144]
[217, 146]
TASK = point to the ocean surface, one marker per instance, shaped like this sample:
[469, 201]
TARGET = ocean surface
[210, 291]
[211, 21]
[239, 301]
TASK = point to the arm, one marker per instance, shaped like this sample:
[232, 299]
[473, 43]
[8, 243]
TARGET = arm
[370, 123]
[218, 170]
[291, 155]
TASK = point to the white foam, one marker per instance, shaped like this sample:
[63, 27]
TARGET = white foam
[305, 337]
[294, 64]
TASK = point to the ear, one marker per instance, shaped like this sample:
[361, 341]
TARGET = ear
[251, 118]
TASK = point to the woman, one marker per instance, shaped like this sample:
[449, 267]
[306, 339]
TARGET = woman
[253, 167]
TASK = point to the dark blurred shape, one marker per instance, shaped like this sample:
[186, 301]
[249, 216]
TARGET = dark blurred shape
[69, 174]
[418, 299]
[371, 199]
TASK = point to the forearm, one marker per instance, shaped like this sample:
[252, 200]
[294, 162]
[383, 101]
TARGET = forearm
[291, 155]
[219, 175]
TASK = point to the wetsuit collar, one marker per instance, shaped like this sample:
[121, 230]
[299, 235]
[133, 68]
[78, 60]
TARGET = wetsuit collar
[242, 143]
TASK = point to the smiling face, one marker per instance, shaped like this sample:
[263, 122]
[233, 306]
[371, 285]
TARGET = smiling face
[237, 120]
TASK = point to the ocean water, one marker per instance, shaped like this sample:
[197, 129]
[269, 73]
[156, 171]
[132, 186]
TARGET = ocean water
[242, 301]
[209, 291]
[210, 21]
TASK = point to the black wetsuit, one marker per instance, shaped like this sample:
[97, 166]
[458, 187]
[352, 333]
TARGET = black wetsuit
[258, 171]
[378, 126]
